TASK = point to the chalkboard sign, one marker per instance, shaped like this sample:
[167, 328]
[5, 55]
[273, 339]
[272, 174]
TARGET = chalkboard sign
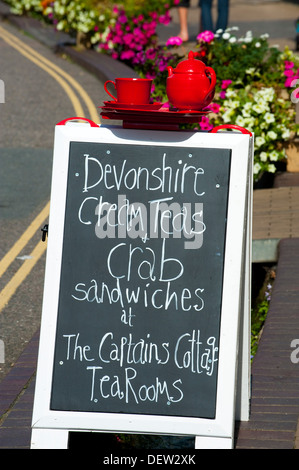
[141, 280]
[140, 269]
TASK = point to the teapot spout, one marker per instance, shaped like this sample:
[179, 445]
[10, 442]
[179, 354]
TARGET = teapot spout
[170, 71]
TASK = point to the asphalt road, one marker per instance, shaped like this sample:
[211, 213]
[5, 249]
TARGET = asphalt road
[37, 96]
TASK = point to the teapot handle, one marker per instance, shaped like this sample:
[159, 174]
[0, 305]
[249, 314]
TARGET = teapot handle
[212, 75]
[170, 71]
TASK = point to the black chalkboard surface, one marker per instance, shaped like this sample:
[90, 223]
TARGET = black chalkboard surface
[141, 280]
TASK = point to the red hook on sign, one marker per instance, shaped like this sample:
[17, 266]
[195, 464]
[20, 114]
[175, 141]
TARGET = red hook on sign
[231, 126]
[62, 123]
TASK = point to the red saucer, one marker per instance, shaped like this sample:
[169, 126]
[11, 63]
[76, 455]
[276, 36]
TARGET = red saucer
[139, 107]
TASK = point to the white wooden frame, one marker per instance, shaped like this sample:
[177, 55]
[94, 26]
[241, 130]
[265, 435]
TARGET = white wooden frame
[50, 428]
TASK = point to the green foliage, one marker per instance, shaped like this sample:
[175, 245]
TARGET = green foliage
[143, 7]
[260, 310]
[99, 22]
[259, 315]
[254, 86]
[232, 59]
[254, 91]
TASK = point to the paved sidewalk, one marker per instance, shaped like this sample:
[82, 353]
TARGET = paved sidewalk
[17, 388]
[16, 399]
[274, 418]
[277, 18]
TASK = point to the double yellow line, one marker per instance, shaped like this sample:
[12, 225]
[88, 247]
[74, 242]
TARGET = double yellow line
[69, 84]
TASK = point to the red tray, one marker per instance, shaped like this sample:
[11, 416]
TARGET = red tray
[141, 107]
[162, 118]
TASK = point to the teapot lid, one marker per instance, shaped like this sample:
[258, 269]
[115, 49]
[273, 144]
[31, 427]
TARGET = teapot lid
[190, 65]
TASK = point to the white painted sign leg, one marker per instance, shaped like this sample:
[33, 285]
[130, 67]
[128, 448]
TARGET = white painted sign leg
[244, 361]
[49, 438]
[213, 442]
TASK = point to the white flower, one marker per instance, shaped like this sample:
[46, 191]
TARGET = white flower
[271, 168]
[264, 36]
[260, 100]
[232, 39]
[60, 25]
[263, 156]
[95, 38]
[240, 121]
[267, 93]
[269, 117]
[227, 115]
[105, 34]
[259, 141]
[249, 124]
[262, 105]
[256, 168]
[231, 93]
[272, 135]
[257, 44]
[233, 104]
[258, 109]
[225, 35]
[250, 71]
[286, 134]
[245, 113]
[274, 156]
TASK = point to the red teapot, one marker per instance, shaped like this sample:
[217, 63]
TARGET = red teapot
[191, 86]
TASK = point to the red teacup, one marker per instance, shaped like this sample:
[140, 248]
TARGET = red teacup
[131, 90]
